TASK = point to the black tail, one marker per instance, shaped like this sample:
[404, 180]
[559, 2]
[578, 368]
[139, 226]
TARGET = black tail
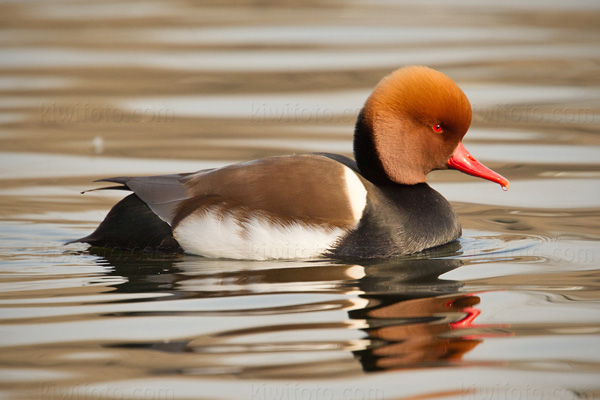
[131, 225]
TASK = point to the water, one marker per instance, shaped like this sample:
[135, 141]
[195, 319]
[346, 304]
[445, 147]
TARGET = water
[96, 89]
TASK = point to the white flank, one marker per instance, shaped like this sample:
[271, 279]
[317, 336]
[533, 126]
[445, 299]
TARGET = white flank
[213, 234]
[357, 194]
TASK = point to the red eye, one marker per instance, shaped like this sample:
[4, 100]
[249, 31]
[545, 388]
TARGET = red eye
[437, 128]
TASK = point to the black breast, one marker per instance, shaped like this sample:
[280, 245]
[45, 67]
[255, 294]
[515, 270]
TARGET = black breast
[400, 220]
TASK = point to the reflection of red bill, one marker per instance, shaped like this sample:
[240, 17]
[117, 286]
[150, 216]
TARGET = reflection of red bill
[467, 321]
[486, 330]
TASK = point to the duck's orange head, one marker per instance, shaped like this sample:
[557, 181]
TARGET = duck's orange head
[413, 123]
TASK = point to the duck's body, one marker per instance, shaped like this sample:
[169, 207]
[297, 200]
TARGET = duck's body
[311, 205]
[257, 210]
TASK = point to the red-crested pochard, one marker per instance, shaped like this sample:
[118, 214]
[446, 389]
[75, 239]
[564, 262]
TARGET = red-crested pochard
[315, 205]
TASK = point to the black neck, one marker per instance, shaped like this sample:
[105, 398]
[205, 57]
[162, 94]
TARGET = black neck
[365, 154]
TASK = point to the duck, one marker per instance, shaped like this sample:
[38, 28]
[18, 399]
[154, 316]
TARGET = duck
[316, 205]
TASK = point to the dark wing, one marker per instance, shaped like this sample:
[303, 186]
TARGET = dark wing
[161, 193]
[348, 162]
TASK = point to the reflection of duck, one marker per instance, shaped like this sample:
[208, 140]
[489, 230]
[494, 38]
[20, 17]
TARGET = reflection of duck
[304, 206]
[414, 332]
[148, 273]
[409, 314]
[408, 323]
